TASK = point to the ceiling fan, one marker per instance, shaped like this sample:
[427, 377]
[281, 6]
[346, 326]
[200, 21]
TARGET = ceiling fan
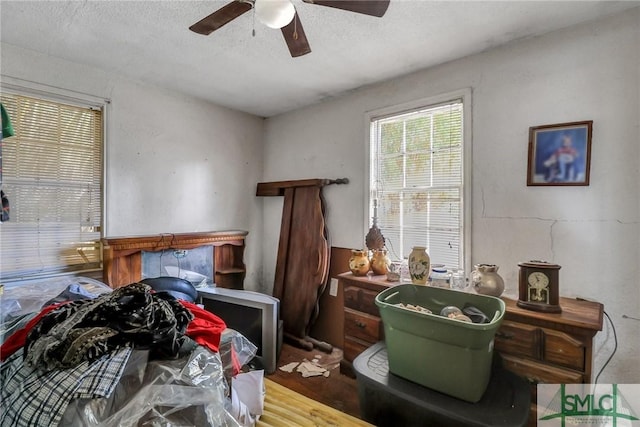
[282, 14]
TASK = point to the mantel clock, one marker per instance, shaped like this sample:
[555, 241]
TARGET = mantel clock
[538, 286]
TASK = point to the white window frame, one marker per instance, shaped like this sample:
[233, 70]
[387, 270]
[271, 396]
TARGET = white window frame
[465, 96]
[17, 86]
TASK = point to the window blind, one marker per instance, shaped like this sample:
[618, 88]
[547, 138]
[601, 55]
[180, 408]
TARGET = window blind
[416, 180]
[52, 175]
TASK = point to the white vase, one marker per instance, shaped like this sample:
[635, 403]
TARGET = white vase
[419, 265]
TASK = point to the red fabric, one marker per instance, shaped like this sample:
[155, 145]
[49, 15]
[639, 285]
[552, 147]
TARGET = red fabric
[205, 328]
[235, 363]
[17, 340]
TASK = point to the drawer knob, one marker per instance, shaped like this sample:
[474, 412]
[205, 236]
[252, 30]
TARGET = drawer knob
[504, 335]
[360, 324]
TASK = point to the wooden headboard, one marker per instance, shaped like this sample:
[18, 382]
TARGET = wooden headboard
[122, 256]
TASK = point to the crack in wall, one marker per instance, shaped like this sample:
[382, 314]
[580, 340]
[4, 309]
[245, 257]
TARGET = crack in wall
[553, 253]
[565, 221]
[553, 222]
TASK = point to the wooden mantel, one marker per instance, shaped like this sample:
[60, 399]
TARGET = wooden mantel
[122, 256]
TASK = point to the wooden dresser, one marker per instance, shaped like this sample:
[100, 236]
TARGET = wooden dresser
[362, 323]
[549, 348]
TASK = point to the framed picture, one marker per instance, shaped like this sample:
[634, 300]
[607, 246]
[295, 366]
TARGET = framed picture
[560, 154]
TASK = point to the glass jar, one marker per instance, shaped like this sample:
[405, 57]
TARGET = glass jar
[439, 276]
[457, 279]
[404, 270]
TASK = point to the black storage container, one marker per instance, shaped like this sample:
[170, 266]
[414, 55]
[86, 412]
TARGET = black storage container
[389, 400]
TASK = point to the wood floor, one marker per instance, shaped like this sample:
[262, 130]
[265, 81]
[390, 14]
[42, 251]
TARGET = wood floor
[337, 391]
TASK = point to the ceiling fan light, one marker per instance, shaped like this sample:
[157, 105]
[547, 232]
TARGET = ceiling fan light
[275, 13]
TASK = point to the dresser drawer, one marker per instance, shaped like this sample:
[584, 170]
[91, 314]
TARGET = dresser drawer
[536, 372]
[519, 339]
[362, 326]
[353, 347]
[361, 300]
[564, 350]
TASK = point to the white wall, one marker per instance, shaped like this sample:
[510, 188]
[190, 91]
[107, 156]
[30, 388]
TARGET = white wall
[174, 164]
[589, 72]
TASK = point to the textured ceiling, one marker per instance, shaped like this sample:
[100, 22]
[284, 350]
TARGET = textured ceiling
[150, 41]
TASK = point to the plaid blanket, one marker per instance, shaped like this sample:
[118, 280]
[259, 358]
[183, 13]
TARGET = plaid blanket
[31, 397]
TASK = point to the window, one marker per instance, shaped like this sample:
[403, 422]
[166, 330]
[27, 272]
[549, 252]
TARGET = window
[52, 175]
[417, 182]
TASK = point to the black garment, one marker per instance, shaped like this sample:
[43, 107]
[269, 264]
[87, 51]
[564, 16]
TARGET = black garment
[87, 329]
[7, 130]
[4, 215]
[475, 314]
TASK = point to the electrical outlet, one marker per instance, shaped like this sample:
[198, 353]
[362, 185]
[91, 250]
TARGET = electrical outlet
[333, 287]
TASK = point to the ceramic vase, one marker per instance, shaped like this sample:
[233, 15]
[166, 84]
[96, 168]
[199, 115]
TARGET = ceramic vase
[359, 262]
[380, 262]
[419, 265]
[486, 280]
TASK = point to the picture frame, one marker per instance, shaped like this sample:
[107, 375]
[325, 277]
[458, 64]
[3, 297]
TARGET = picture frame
[560, 154]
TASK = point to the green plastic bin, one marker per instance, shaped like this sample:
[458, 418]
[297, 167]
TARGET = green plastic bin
[447, 355]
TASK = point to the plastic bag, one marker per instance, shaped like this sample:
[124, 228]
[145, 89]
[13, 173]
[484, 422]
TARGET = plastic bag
[190, 391]
[20, 303]
[33, 295]
[235, 351]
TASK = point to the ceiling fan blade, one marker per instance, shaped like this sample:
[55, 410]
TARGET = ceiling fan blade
[220, 17]
[367, 7]
[296, 39]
